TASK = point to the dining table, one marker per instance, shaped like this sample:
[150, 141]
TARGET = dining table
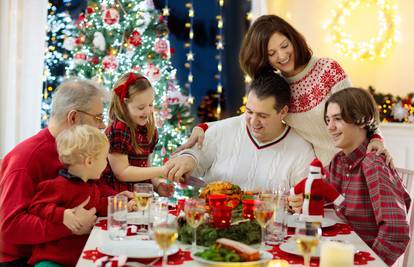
[92, 253]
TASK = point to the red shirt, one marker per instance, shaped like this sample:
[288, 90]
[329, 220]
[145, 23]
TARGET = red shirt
[30, 162]
[376, 202]
[120, 141]
[51, 199]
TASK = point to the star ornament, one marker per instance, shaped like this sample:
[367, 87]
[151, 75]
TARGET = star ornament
[190, 56]
[165, 11]
[219, 45]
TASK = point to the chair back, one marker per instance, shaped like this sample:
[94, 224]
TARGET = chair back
[407, 177]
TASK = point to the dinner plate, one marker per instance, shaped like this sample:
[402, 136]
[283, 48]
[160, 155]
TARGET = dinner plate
[136, 217]
[290, 247]
[264, 257]
[132, 248]
[293, 221]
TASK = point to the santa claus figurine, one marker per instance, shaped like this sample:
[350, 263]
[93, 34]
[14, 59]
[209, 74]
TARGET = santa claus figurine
[316, 191]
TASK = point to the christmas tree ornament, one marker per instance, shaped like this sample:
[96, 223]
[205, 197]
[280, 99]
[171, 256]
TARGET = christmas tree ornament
[110, 63]
[69, 43]
[111, 16]
[135, 38]
[316, 191]
[99, 41]
[161, 46]
[399, 112]
[79, 58]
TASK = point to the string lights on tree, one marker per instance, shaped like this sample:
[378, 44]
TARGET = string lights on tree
[373, 48]
[220, 48]
[190, 55]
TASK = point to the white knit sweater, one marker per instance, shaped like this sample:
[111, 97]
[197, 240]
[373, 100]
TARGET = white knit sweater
[310, 89]
[231, 154]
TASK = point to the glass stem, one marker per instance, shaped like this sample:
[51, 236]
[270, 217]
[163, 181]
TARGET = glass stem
[194, 245]
[306, 260]
[164, 258]
[262, 243]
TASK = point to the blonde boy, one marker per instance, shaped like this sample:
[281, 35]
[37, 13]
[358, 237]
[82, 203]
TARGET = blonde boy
[83, 151]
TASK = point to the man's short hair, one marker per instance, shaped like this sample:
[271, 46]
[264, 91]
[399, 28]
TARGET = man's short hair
[74, 94]
[270, 84]
[78, 142]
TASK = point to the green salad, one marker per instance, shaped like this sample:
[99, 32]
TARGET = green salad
[217, 253]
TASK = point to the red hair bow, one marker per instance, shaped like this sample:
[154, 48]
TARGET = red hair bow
[122, 89]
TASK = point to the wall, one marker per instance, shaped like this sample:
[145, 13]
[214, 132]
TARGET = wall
[390, 75]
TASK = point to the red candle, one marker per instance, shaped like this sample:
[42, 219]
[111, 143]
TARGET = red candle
[221, 216]
[217, 200]
[248, 209]
[180, 206]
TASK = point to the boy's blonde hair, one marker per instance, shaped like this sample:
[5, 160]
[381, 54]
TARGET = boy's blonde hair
[79, 142]
[119, 111]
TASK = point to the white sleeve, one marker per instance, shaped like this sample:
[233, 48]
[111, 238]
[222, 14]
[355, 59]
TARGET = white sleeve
[300, 168]
[205, 157]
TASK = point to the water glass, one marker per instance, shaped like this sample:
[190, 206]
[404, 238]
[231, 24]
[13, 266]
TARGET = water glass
[117, 217]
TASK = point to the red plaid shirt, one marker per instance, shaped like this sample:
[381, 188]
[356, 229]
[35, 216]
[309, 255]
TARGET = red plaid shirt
[376, 203]
[120, 141]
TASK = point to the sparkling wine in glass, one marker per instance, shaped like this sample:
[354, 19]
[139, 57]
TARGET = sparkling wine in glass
[307, 240]
[143, 194]
[165, 234]
[263, 213]
[194, 210]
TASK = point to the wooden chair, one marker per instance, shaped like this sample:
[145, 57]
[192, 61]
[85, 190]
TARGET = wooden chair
[407, 259]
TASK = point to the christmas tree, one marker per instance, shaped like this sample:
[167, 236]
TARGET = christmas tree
[118, 36]
[60, 27]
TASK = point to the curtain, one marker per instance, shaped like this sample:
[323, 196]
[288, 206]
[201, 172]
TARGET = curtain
[22, 45]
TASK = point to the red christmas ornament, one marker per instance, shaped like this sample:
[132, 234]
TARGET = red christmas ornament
[172, 50]
[110, 16]
[89, 10]
[94, 60]
[135, 38]
[109, 63]
[161, 19]
[80, 56]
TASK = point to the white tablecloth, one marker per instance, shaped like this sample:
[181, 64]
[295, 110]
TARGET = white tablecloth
[99, 237]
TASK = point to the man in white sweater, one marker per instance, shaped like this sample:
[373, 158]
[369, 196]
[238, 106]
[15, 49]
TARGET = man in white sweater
[256, 150]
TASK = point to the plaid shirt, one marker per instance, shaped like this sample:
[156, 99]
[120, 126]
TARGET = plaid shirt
[120, 141]
[376, 202]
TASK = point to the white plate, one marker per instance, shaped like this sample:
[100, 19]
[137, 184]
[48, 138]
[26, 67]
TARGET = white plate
[264, 257]
[293, 221]
[290, 247]
[136, 217]
[141, 249]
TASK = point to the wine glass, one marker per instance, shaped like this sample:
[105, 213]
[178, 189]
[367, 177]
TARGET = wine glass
[307, 240]
[264, 208]
[165, 234]
[194, 210]
[143, 194]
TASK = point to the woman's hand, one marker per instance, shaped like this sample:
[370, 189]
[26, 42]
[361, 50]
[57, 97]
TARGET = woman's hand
[377, 146]
[196, 137]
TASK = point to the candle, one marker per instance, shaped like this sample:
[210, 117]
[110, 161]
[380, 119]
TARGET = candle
[336, 254]
[217, 200]
[278, 263]
[248, 209]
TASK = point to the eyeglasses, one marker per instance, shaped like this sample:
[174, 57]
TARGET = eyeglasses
[99, 118]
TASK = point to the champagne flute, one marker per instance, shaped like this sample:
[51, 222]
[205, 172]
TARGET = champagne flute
[307, 240]
[165, 234]
[263, 213]
[143, 194]
[194, 210]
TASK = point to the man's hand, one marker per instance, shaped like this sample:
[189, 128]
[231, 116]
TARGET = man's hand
[296, 202]
[180, 166]
[196, 137]
[86, 218]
